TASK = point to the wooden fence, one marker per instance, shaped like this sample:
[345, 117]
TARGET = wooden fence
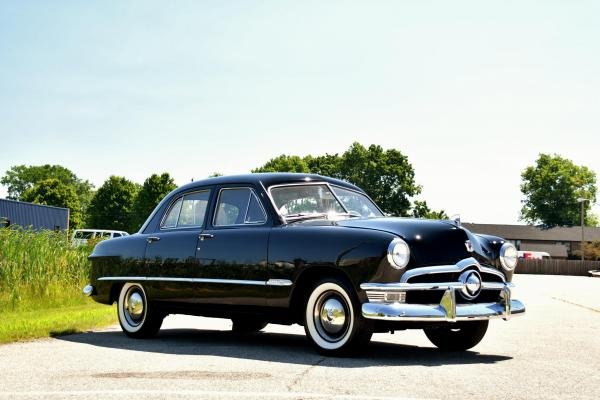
[557, 267]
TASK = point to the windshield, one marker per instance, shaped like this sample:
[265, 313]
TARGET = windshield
[318, 200]
[305, 199]
[357, 203]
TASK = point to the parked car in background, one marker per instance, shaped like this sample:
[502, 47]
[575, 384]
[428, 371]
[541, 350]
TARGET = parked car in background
[80, 237]
[533, 255]
[307, 249]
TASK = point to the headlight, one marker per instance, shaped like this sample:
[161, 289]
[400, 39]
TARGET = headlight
[398, 253]
[508, 256]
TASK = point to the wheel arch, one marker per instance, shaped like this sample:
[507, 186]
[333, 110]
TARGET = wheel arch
[304, 284]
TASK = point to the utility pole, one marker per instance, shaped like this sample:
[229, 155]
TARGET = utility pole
[582, 200]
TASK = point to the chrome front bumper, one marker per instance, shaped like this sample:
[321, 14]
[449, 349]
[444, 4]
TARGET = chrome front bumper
[448, 310]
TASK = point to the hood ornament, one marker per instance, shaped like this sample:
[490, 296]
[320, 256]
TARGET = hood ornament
[456, 220]
[469, 246]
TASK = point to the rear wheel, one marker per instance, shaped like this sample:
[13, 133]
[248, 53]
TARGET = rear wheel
[458, 337]
[332, 319]
[136, 317]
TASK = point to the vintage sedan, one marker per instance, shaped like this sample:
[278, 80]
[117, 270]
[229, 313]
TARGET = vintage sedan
[299, 248]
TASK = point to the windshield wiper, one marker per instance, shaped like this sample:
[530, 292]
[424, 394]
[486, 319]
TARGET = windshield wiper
[306, 216]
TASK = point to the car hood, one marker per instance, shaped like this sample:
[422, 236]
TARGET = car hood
[432, 242]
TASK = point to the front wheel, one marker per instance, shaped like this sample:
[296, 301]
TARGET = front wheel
[332, 319]
[136, 317]
[458, 337]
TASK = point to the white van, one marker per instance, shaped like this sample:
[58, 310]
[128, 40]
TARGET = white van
[81, 236]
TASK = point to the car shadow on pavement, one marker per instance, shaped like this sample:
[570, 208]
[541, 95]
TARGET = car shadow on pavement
[277, 347]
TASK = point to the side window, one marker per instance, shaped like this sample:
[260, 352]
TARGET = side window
[116, 235]
[187, 211]
[238, 206]
[171, 220]
[193, 209]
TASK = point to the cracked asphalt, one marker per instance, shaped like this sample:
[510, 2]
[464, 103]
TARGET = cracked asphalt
[553, 352]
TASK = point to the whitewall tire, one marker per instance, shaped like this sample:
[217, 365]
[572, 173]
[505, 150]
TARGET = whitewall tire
[332, 319]
[136, 317]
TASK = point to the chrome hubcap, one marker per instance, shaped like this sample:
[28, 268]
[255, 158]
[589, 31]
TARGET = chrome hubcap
[333, 316]
[134, 306]
[330, 316]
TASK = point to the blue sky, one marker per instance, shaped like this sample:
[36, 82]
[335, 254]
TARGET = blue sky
[471, 92]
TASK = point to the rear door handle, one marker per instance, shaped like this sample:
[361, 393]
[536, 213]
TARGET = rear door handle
[206, 236]
[151, 239]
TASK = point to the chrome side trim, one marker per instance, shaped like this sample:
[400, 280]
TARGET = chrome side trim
[279, 282]
[270, 282]
[187, 280]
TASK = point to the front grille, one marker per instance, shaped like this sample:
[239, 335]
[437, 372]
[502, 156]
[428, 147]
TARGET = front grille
[435, 296]
[451, 277]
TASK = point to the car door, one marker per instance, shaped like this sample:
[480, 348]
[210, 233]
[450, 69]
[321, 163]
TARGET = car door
[232, 250]
[171, 259]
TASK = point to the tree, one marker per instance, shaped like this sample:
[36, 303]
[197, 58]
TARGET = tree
[284, 163]
[112, 205]
[552, 188]
[421, 210]
[386, 175]
[52, 192]
[154, 189]
[19, 178]
[591, 251]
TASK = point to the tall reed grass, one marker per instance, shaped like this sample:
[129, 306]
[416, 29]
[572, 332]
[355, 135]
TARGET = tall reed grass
[40, 269]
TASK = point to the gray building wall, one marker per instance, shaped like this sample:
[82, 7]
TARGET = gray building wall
[35, 216]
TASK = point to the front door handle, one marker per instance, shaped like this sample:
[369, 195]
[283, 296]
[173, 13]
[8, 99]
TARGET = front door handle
[206, 236]
[151, 239]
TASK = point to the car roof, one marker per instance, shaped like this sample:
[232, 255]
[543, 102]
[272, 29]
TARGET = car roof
[268, 179]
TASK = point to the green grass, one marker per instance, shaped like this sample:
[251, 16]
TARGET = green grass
[41, 277]
[39, 323]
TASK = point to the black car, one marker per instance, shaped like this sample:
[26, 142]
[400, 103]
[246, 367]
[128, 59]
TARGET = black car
[306, 249]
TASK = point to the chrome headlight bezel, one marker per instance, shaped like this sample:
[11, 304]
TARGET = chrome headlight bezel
[509, 261]
[398, 253]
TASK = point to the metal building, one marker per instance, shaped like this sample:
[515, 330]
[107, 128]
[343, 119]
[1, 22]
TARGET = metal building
[35, 216]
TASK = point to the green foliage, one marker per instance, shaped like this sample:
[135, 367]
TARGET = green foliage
[40, 264]
[421, 210]
[41, 277]
[152, 192]
[552, 188]
[385, 175]
[285, 163]
[112, 205]
[21, 178]
[53, 192]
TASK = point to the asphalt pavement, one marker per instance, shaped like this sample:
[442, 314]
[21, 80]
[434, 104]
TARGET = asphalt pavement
[552, 352]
